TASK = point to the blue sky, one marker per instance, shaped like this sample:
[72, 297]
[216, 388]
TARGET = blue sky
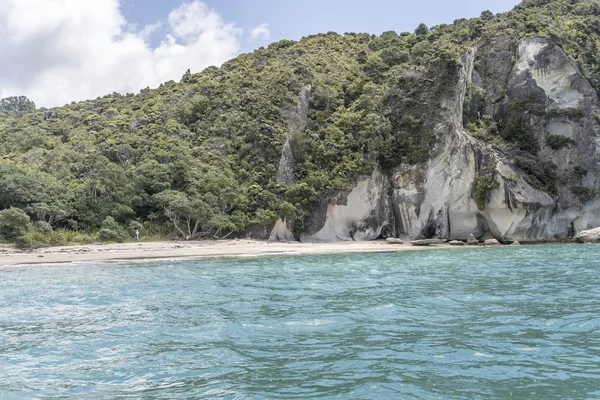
[295, 19]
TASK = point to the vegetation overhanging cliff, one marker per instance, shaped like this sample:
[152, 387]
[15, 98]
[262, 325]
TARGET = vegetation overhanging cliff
[488, 126]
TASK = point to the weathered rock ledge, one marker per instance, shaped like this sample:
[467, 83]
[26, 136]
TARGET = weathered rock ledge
[589, 236]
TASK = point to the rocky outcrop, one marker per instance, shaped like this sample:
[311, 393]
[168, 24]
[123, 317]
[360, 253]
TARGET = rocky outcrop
[491, 242]
[364, 214]
[394, 241]
[563, 104]
[297, 120]
[472, 240]
[589, 236]
[437, 199]
[427, 242]
[282, 232]
[434, 200]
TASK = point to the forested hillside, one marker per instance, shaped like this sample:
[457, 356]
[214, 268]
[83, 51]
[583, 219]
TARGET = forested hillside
[200, 158]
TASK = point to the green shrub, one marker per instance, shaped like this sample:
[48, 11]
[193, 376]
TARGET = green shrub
[300, 194]
[78, 237]
[570, 113]
[474, 106]
[484, 128]
[583, 194]
[518, 132]
[157, 230]
[62, 237]
[484, 183]
[14, 222]
[33, 239]
[580, 172]
[133, 225]
[24, 242]
[42, 227]
[59, 237]
[112, 232]
[394, 56]
[540, 175]
[108, 235]
[17, 104]
[557, 142]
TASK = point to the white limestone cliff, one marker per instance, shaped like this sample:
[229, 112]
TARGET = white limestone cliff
[436, 199]
[363, 217]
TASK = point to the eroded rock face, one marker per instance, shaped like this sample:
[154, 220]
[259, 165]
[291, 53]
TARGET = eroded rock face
[282, 232]
[516, 210]
[364, 216]
[297, 122]
[436, 199]
[543, 69]
[493, 68]
[545, 77]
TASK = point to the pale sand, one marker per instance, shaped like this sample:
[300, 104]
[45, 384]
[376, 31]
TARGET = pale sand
[206, 249]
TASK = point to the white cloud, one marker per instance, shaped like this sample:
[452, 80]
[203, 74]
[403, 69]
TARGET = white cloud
[68, 50]
[147, 31]
[262, 31]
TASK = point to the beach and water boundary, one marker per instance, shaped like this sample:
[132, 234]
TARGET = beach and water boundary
[9, 255]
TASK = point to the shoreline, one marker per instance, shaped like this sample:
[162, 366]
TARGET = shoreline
[194, 250]
[199, 250]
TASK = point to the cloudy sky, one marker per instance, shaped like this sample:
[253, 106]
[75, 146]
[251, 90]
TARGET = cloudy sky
[58, 51]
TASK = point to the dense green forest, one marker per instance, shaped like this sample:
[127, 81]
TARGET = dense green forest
[199, 158]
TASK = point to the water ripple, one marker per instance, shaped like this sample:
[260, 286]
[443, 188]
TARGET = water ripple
[462, 324]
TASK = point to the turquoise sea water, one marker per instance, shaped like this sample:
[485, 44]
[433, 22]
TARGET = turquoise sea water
[519, 323]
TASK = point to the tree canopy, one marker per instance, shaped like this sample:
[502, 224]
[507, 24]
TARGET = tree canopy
[17, 103]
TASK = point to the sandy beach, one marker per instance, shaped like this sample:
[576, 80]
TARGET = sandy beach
[205, 249]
